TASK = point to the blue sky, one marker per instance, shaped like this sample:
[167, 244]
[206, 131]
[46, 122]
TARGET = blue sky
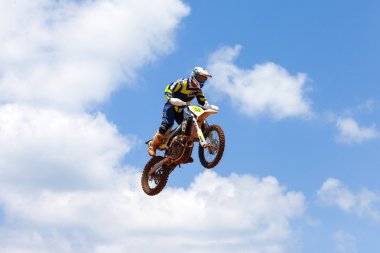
[81, 87]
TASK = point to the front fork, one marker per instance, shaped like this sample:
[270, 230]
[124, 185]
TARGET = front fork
[201, 137]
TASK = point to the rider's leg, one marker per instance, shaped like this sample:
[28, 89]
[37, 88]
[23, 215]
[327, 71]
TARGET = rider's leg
[179, 116]
[167, 123]
[157, 140]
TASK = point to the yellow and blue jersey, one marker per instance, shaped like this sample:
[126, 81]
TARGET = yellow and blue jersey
[181, 89]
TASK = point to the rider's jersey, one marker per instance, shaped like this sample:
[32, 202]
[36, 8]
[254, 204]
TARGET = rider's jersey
[181, 89]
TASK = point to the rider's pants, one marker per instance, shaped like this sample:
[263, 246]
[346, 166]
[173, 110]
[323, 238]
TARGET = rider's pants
[169, 114]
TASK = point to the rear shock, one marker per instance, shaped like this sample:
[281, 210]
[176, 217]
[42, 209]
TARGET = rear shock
[188, 126]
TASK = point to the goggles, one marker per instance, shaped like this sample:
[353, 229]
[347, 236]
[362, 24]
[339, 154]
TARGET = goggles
[201, 78]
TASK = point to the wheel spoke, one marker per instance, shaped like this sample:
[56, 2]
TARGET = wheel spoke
[154, 180]
[153, 184]
[210, 156]
[212, 150]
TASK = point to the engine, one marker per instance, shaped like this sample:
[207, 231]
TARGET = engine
[180, 148]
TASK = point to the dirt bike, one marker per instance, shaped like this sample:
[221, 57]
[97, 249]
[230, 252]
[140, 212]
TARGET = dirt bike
[178, 146]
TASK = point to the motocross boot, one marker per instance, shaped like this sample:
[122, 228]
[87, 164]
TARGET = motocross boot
[157, 140]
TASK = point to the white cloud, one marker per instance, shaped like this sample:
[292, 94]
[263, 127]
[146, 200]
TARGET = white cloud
[366, 106]
[344, 242]
[62, 185]
[333, 193]
[58, 57]
[266, 88]
[218, 214]
[52, 149]
[365, 203]
[69, 54]
[351, 132]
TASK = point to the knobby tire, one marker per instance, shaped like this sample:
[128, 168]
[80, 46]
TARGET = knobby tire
[221, 144]
[163, 178]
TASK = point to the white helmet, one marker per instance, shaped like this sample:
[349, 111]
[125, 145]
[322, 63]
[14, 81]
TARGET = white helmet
[199, 76]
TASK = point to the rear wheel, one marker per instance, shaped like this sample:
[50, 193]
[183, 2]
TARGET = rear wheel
[211, 155]
[154, 184]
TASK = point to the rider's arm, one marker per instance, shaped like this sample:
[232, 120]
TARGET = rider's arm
[201, 99]
[171, 88]
[177, 102]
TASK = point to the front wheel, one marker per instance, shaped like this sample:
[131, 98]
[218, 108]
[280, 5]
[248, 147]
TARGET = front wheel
[154, 184]
[211, 155]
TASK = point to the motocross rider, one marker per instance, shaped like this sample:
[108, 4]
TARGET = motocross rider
[179, 94]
